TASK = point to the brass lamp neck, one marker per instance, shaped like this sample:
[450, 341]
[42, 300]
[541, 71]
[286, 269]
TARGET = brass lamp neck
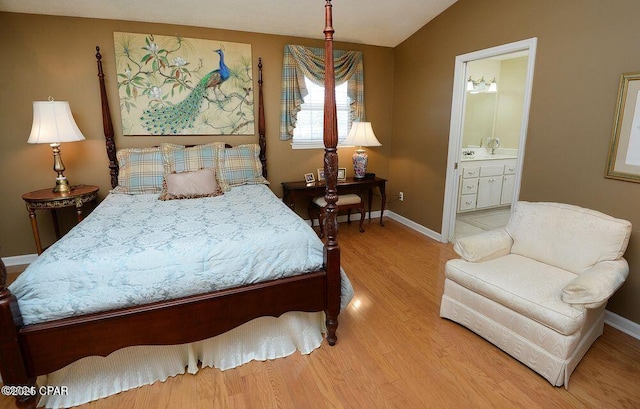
[62, 184]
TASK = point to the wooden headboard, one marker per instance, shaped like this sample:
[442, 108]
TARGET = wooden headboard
[109, 138]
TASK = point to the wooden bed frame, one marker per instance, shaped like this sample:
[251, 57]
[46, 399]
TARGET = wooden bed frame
[32, 350]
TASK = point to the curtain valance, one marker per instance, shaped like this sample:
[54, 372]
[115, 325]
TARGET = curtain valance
[300, 62]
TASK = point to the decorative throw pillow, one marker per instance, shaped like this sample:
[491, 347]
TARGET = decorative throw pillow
[190, 184]
[240, 166]
[178, 158]
[140, 171]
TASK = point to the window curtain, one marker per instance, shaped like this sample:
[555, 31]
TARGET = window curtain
[300, 62]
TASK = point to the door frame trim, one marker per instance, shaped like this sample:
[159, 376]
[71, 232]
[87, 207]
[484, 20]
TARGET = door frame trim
[457, 121]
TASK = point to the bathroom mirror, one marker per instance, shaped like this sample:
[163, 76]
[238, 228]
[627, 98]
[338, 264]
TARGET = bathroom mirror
[479, 117]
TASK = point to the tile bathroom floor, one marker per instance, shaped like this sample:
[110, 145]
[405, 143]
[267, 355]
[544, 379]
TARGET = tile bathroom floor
[481, 220]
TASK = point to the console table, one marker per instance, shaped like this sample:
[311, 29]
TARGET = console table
[290, 190]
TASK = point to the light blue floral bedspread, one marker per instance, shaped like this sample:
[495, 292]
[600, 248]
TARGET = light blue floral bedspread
[135, 249]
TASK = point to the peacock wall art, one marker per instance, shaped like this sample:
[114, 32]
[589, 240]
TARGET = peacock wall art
[170, 85]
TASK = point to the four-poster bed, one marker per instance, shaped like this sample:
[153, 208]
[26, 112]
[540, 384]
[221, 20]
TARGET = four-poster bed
[28, 351]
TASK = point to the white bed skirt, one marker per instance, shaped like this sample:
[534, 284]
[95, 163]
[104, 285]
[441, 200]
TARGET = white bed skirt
[92, 378]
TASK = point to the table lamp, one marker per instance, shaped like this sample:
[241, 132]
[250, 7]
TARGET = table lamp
[361, 134]
[53, 124]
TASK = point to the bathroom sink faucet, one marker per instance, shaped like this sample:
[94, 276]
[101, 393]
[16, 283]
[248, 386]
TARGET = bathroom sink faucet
[493, 144]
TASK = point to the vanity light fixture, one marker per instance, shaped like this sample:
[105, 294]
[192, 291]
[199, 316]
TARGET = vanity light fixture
[476, 87]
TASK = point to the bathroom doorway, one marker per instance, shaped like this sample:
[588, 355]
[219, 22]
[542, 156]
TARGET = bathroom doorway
[489, 117]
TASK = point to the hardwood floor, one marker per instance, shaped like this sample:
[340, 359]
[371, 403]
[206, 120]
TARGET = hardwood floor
[394, 351]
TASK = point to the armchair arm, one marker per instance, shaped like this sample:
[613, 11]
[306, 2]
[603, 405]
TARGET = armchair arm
[484, 246]
[593, 288]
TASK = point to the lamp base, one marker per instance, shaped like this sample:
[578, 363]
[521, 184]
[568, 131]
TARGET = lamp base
[62, 186]
[360, 160]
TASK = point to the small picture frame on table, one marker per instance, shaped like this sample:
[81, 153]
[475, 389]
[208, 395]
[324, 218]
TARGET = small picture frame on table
[342, 173]
[309, 178]
[320, 174]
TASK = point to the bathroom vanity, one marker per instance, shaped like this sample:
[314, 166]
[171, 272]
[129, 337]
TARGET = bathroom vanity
[486, 180]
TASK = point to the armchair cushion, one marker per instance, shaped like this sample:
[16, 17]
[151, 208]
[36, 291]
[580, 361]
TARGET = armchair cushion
[566, 236]
[594, 287]
[521, 284]
[484, 246]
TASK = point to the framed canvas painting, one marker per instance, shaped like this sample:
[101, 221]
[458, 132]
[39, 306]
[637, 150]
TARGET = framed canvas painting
[171, 85]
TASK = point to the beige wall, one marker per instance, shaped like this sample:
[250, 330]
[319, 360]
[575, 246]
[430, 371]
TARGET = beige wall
[583, 47]
[54, 56]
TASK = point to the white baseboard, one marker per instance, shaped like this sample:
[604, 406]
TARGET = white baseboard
[19, 260]
[415, 226]
[620, 323]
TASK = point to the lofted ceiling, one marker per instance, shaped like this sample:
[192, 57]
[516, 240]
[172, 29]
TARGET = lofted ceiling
[375, 22]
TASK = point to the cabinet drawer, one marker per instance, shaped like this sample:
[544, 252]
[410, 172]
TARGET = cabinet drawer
[491, 170]
[509, 169]
[470, 172]
[467, 202]
[469, 186]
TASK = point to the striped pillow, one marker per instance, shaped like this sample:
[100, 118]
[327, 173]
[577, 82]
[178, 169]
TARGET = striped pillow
[240, 166]
[141, 171]
[178, 158]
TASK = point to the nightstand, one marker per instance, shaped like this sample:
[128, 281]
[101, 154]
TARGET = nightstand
[47, 199]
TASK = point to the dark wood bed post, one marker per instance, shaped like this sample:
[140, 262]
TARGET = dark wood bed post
[262, 139]
[107, 124]
[14, 372]
[331, 248]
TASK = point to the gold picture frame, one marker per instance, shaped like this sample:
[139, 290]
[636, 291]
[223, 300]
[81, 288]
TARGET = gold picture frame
[624, 150]
[342, 173]
[320, 174]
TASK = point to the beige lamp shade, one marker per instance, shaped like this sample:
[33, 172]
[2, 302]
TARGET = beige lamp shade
[53, 123]
[361, 134]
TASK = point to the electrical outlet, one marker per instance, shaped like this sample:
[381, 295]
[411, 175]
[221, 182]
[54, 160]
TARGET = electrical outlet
[401, 196]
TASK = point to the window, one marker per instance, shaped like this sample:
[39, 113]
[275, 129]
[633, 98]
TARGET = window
[308, 132]
[307, 64]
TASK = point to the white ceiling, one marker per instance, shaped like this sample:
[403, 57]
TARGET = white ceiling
[374, 22]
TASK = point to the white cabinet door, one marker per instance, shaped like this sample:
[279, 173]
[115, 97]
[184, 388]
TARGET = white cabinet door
[508, 185]
[489, 191]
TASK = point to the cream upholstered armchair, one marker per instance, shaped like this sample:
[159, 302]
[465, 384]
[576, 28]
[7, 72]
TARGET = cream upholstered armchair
[538, 288]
